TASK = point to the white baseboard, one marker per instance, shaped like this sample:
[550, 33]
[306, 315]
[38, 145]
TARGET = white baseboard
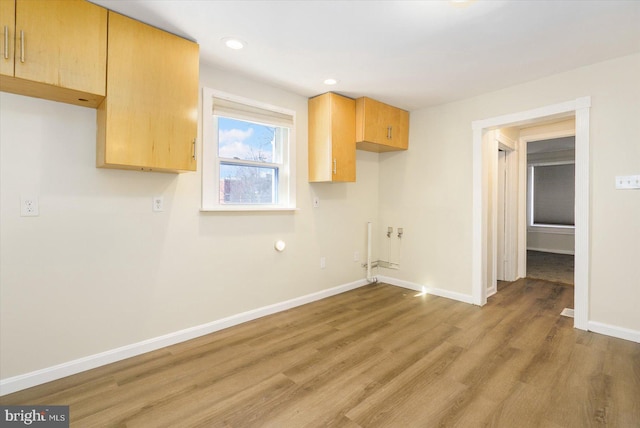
[38, 377]
[594, 326]
[466, 298]
[613, 331]
[549, 250]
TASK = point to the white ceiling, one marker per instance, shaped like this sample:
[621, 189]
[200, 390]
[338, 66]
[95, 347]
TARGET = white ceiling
[411, 54]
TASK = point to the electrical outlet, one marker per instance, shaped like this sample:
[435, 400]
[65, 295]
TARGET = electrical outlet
[158, 203]
[323, 262]
[316, 202]
[356, 256]
[29, 206]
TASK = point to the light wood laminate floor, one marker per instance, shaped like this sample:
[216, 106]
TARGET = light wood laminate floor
[378, 356]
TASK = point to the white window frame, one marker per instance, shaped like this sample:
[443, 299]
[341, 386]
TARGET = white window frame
[560, 229]
[286, 197]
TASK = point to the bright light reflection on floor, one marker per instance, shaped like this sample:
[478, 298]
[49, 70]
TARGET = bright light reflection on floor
[422, 293]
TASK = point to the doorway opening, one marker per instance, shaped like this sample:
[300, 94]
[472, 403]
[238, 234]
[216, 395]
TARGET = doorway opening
[551, 205]
[485, 200]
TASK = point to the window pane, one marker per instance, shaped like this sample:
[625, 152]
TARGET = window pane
[239, 139]
[241, 184]
[554, 194]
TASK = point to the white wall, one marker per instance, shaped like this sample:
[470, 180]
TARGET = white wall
[427, 191]
[99, 270]
[560, 243]
[429, 188]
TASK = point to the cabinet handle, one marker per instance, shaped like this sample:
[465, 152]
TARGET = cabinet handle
[335, 166]
[389, 131]
[6, 42]
[193, 154]
[21, 45]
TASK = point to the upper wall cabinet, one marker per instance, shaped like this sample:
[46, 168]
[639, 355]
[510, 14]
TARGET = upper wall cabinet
[148, 119]
[332, 149]
[55, 50]
[381, 127]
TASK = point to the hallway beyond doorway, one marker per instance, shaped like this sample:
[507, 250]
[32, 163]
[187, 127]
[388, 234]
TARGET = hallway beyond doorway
[550, 266]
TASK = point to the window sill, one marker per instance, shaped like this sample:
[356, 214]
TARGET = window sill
[559, 230]
[245, 208]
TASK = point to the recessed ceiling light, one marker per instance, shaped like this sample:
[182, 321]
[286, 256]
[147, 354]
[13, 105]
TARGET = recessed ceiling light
[330, 81]
[234, 43]
[461, 3]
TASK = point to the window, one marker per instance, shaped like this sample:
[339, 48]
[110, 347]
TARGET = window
[552, 195]
[247, 152]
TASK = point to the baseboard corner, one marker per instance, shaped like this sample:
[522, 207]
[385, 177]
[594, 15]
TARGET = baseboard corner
[460, 297]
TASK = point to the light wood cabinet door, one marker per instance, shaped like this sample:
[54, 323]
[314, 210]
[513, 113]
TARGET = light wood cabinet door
[148, 120]
[8, 28]
[381, 127]
[59, 50]
[332, 150]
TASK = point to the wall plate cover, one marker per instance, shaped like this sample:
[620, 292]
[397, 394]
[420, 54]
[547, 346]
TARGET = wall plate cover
[628, 182]
[29, 206]
[158, 203]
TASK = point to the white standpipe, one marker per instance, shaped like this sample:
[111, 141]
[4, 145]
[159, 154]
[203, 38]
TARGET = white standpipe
[370, 278]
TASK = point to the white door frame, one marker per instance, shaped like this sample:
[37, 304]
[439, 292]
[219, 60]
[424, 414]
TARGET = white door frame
[493, 140]
[511, 149]
[501, 214]
[580, 108]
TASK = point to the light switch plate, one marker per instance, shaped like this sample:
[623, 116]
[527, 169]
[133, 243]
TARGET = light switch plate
[628, 182]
